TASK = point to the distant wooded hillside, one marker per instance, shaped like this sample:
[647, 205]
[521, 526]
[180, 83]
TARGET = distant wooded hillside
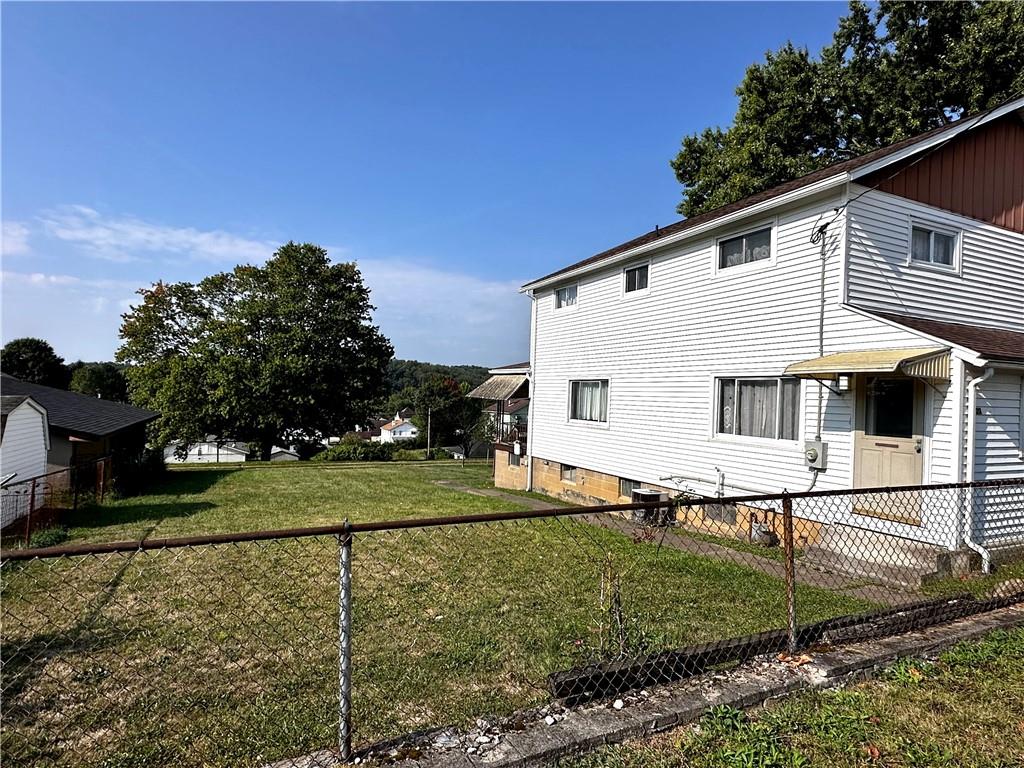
[412, 373]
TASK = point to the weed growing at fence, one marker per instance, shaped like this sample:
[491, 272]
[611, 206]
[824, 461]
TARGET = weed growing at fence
[963, 709]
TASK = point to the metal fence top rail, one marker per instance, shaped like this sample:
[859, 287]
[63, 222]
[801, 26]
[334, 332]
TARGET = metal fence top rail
[347, 528]
[39, 478]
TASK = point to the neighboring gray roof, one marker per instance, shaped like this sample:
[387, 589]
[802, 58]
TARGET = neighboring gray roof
[9, 402]
[76, 413]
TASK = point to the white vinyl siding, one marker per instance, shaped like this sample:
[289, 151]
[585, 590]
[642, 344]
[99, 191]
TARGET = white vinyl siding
[997, 455]
[663, 358]
[985, 288]
[23, 449]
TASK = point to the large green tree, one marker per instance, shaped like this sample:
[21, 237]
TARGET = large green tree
[34, 360]
[890, 72]
[265, 354]
[104, 380]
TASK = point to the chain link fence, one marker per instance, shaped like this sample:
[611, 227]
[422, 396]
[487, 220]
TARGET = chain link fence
[389, 640]
[35, 503]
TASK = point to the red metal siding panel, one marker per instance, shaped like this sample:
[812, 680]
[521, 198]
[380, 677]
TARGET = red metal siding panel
[980, 174]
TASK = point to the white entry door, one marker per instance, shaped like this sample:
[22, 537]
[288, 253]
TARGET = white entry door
[889, 445]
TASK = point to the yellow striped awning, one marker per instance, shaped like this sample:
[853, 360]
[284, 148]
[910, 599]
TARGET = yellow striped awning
[919, 362]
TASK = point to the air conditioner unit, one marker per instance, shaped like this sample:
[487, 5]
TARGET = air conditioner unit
[652, 515]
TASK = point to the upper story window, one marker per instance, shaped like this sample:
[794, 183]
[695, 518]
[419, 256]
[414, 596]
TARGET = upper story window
[565, 297]
[753, 246]
[759, 408]
[636, 278]
[930, 246]
[588, 400]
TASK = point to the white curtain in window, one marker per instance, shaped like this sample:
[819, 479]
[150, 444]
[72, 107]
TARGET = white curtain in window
[789, 427]
[757, 408]
[590, 400]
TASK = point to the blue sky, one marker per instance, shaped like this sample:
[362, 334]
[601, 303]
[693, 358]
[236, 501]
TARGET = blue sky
[454, 151]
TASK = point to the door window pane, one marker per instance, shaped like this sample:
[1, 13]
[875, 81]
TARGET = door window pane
[890, 408]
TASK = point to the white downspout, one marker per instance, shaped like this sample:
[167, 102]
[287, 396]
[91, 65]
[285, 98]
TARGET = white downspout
[972, 426]
[529, 378]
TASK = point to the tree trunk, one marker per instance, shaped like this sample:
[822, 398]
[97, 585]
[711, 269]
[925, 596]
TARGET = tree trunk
[266, 446]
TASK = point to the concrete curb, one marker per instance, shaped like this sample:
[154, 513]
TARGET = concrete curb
[750, 684]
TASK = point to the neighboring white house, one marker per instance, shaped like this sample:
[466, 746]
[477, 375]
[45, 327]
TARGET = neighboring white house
[210, 451]
[396, 430]
[24, 438]
[870, 312]
[24, 442]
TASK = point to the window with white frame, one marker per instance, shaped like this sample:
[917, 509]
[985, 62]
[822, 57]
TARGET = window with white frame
[565, 297]
[930, 246]
[588, 400]
[744, 249]
[636, 278]
[568, 473]
[626, 487]
[751, 407]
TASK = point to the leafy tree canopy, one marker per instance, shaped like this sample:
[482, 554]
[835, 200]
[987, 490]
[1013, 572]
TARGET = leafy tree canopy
[261, 354]
[413, 373]
[104, 380]
[452, 416]
[34, 360]
[889, 73]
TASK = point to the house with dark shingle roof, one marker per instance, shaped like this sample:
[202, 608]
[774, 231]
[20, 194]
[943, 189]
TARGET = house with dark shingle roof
[83, 428]
[860, 326]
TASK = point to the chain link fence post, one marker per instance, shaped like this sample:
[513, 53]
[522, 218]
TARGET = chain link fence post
[790, 555]
[345, 643]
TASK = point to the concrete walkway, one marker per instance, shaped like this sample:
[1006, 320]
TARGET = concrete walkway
[678, 538]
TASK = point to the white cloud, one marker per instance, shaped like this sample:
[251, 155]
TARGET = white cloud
[80, 317]
[14, 239]
[442, 316]
[127, 238]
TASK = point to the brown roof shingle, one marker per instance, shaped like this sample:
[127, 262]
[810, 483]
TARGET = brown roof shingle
[990, 343]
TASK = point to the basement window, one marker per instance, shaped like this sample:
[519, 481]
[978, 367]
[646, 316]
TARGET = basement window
[568, 473]
[626, 487]
[514, 459]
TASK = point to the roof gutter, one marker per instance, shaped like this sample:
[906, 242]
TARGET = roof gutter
[753, 210]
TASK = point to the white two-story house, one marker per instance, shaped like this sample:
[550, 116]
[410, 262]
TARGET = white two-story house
[861, 326]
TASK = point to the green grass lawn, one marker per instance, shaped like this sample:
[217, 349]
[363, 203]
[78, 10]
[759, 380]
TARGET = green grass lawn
[965, 709]
[227, 655]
